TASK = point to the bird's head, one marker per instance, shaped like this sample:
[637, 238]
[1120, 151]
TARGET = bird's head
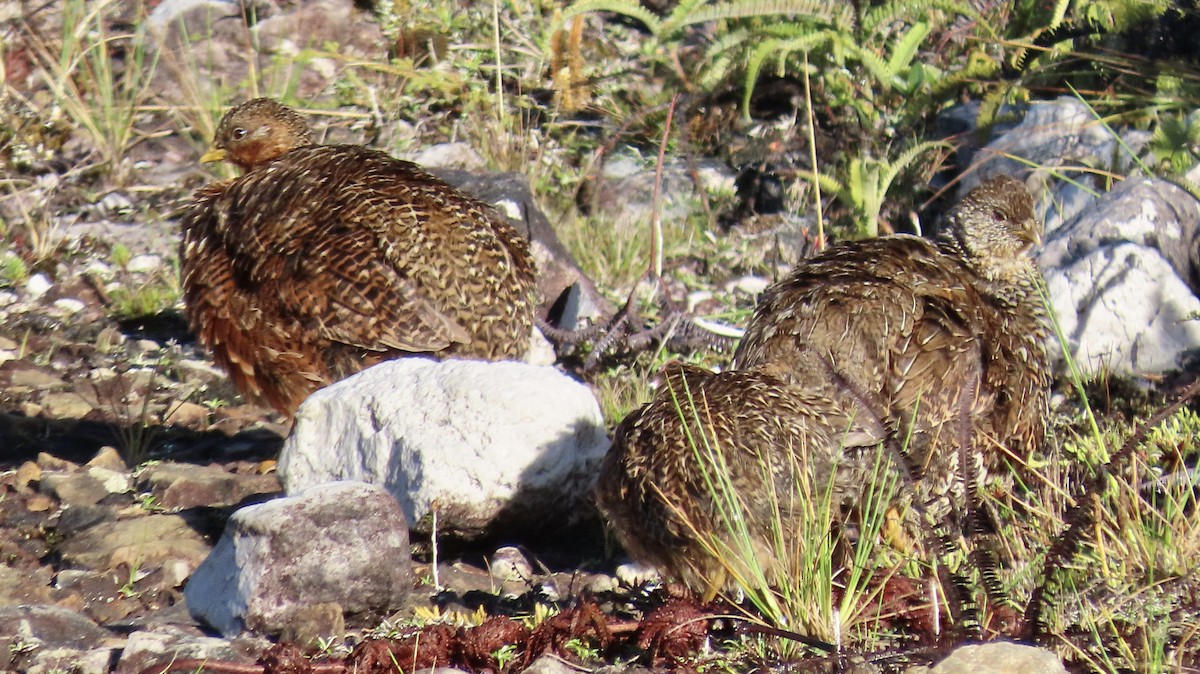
[995, 226]
[256, 132]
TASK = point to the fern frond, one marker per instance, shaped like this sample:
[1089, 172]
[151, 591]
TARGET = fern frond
[780, 49]
[834, 13]
[629, 8]
[876, 20]
[893, 168]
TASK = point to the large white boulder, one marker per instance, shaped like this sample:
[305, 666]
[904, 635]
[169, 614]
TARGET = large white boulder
[492, 447]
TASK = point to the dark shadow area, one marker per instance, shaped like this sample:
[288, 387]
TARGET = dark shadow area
[24, 438]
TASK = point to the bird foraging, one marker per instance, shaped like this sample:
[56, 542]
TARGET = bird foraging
[321, 260]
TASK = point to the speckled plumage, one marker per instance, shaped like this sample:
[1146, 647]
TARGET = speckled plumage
[655, 482]
[937, 345]
[324, 259]
[943, 338]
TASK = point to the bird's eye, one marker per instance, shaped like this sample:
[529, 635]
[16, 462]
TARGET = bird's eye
[239, 133]
[997, 214]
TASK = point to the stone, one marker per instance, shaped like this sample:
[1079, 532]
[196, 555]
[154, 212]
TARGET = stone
[491, 446]
[550, 664]
[22, 586]
[74, 489]
[1117, 279]
[144, 263]
[315, 623]
[135, 542]
[109, 458]
[65, 405]
[178, 485]
[344, 543]
[38, 285]
[164, 644]
[27, 473]
[28, 632]
[69, 305]
[997, 657]
[33, 378]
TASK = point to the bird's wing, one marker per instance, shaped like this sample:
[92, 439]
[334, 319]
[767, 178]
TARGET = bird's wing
[345, 288]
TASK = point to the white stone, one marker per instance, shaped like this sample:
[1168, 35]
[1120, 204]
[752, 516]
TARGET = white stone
[343, 543]
[37, 285]
[144, 263]
[476, 441]
[997, 657]
[1119, 298]
[69, 305]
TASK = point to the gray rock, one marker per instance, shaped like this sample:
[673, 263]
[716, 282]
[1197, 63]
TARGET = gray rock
[1116, 278]
[180, 485]
[39, 638]
[135, 542]
[997, 657]
[75, 489]
[166, 644]
[344, 543]
[492, 445]
[19, 586]
[551, 664]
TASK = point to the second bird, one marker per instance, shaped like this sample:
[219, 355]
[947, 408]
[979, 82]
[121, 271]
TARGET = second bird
[321, 260]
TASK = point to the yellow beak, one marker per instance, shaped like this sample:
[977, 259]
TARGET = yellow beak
[213, 154]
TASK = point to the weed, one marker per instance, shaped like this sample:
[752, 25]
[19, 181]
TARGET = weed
[505, 655]
[100, 94]
[13, 270]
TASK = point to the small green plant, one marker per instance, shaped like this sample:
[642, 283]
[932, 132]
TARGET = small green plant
[505, 655]
[120, 255]
[145, 299]
[583, 649]
[13, 270]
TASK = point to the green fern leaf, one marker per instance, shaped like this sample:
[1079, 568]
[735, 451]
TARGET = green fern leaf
[630, 8]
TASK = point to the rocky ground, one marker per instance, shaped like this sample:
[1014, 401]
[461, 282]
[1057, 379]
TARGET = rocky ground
[124, 451]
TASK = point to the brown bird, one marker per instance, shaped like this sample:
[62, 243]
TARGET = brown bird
[321, 260]
[721, 467]
[944, 339]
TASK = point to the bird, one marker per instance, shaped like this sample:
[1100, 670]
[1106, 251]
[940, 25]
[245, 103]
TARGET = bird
[702, 481]
[321, 260]
[943, 339]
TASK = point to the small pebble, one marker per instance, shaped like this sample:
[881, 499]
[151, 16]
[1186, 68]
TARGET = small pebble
[37, 285]
[69, 305]
[144, 263]
[114, 203]
[751, 285]
[99, 269]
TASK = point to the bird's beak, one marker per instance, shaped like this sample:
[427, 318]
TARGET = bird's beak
[213, 154]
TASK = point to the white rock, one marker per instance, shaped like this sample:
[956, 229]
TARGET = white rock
[447, 155]
[98, 269]
[997, 657]
[503, 445]
[343, 543]
[1113, 280]
[165, 644]
[37, 285]
[69, 305]
[144, 263]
